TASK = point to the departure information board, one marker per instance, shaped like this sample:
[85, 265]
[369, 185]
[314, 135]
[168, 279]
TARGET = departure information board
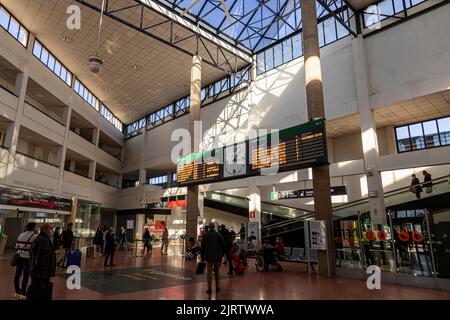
[299, 147]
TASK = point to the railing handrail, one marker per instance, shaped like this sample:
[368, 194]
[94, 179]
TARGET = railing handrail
[49, 116]
[100, 146]
[105, 183]
[37, 159]
[78, 174]
[82, 136]
[8, 90]
[390, 193]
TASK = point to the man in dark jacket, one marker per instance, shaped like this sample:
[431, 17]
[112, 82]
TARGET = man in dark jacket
[66, 240]
[228, 239]
[110, 247]
[213, 248]
[42, 265]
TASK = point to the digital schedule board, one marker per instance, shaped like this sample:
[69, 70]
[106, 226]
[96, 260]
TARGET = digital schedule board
[299, 147]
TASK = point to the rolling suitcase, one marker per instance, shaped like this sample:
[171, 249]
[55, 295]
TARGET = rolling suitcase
[74, 258]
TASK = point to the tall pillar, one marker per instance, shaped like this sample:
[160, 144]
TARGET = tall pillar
[369, 134]
[315, 103]
[63, 150]
[73, 212]
[192, 211]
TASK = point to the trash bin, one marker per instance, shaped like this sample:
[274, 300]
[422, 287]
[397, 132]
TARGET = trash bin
[3, 244]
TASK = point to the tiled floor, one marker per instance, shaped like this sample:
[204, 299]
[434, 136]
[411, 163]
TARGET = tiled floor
[132, 279]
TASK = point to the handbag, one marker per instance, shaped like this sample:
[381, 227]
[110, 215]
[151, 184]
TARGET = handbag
[16, 255]
[200, 269]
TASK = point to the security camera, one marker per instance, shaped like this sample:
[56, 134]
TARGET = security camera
[95, 64]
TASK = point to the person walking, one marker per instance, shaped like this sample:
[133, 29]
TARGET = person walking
[122, 237]
[415, 186]
[213, 248]
[104, 231]
[110, 247]
[165, 241]
[42, 266]
[98, 241]
[56, 239]
[23, 244]
[147, 238]
[227, 237]
[427, 182]
[66, 239]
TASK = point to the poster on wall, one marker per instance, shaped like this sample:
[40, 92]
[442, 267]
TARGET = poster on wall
[252, 231]
[156, 228]
[130, 224]
[317, 235]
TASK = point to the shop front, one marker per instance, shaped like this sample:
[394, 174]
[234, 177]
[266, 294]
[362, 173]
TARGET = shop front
[20, 207]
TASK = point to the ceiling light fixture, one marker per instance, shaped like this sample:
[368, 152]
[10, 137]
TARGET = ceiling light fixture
[95, 62]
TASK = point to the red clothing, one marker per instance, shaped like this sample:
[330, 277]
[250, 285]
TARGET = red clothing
[279, 248]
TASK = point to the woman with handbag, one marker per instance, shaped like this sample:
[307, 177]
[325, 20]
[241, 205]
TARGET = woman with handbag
[21, 260]
[415, 186]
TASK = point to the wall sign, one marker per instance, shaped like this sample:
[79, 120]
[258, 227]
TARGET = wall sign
[305, 193]
[317, 235]
[299, 147]
[27, 199]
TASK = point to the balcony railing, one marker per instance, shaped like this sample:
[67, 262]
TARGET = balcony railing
[37, 159]
[79, 174]
[107, 183]
[47, 115]
[6, 89]
[82, 136]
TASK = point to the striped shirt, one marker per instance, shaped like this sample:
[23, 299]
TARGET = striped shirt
[24, 242]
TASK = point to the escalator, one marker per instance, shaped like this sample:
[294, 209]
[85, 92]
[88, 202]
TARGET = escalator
[277, 220]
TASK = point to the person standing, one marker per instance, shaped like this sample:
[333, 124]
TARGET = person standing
[22, 247]
[165, 241]
[427, 182]
[43, 266]
[66, 239]
[415, 186]
[56, 239]
[98, 241]
[147, 238]
[110, 247]
[226, 235]
[213, 248]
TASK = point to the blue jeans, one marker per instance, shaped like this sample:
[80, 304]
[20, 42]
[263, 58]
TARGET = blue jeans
[23, 267]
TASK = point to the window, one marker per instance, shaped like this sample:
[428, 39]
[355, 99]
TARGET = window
[287, 50]
[278, 55]
[260, 64]
[108, 115]
[422, 135]
[13, 27]
[444, 130]
[158, 180]
[386, 9]
[86, 94]
[52, 63]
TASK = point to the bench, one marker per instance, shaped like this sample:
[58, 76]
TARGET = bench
[298, 255]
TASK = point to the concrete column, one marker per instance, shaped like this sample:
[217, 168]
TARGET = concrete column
[73, 212]
[369, 134]
[12, 134]
[62, 156]
[254, 206]
[91, 169]
[391, 142]
[315, 103]
[72, 165]
[192, 211]
[142, 176]
[96, 138]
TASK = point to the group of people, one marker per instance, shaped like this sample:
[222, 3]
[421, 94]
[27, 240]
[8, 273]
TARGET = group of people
[417, 187]
[35, 256]
[105, 243]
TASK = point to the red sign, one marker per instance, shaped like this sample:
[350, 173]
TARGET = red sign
[252, 214]
[177, 203]
[157, 228]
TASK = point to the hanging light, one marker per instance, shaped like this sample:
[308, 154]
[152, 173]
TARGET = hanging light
[95, 62]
